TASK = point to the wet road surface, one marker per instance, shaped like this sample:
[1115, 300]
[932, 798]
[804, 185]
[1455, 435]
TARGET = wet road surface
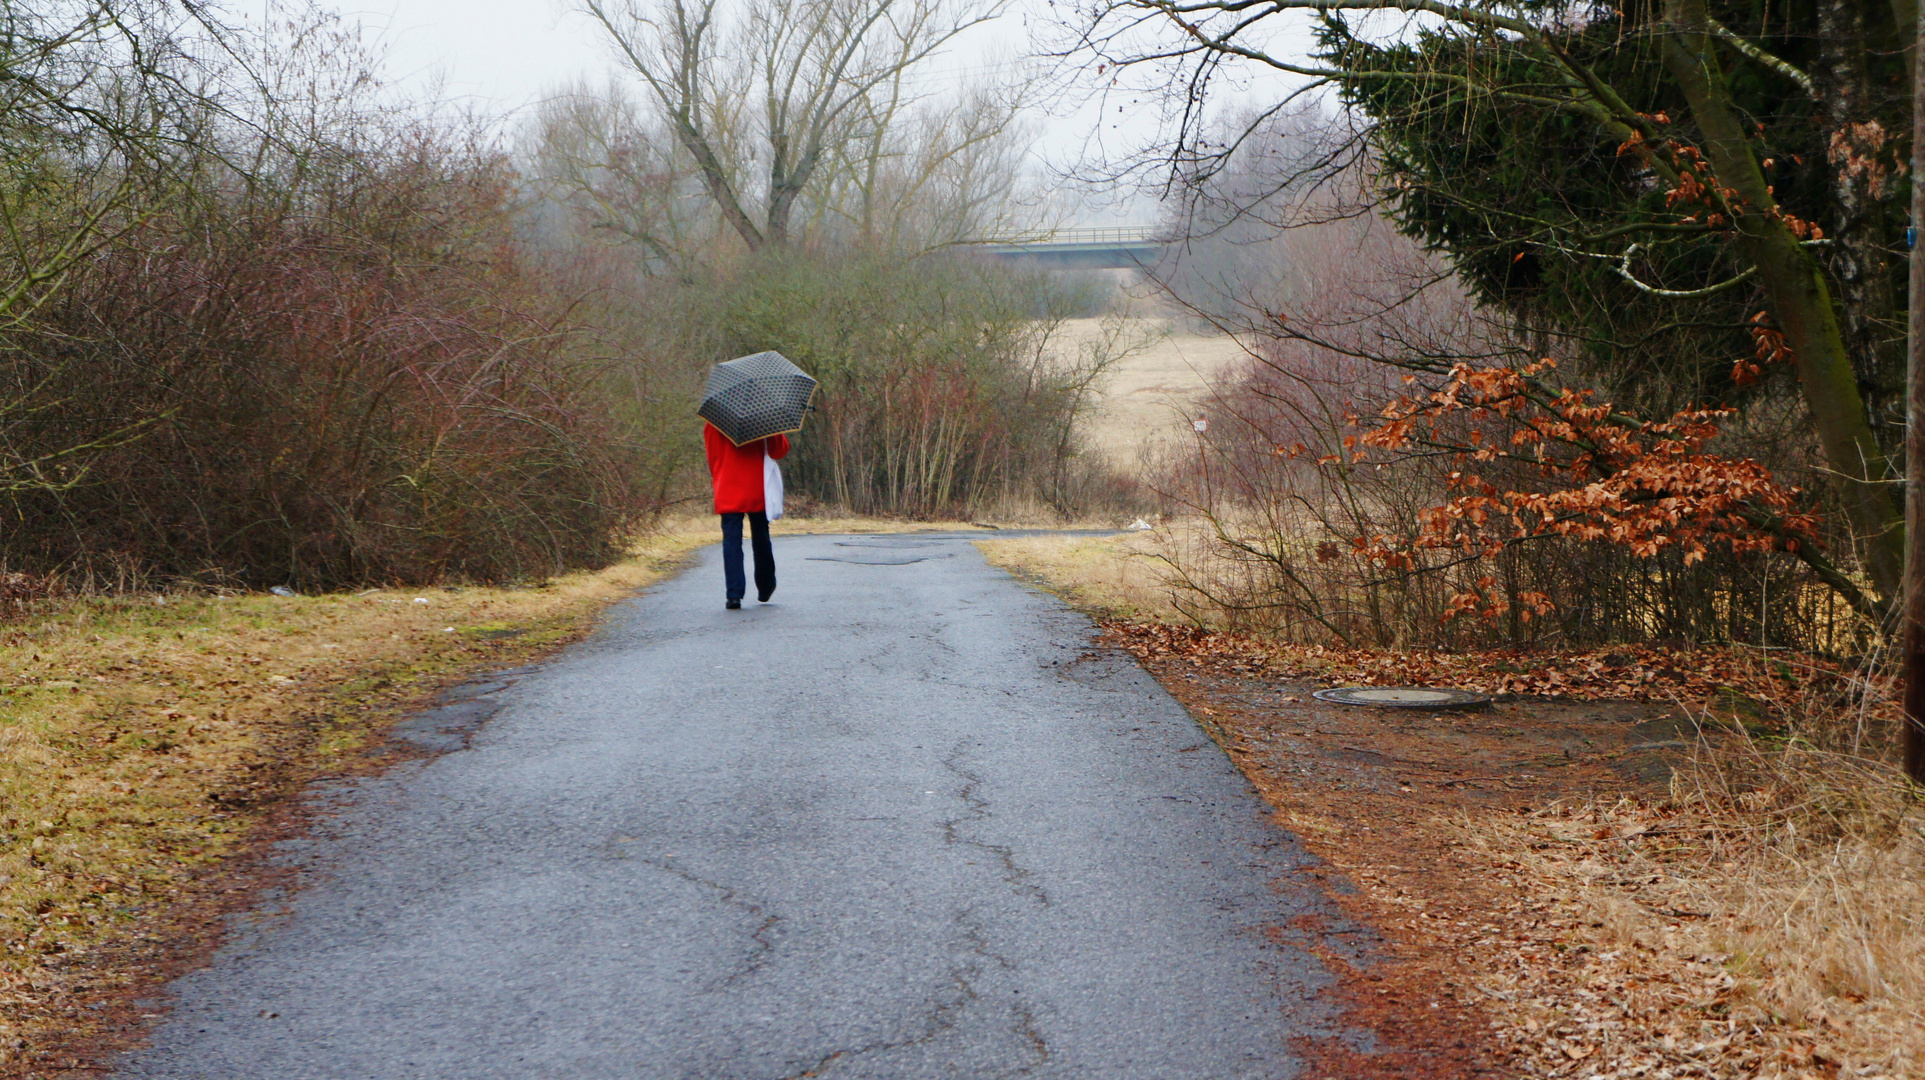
[903, 822]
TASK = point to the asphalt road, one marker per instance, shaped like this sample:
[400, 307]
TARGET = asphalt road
[903, 822]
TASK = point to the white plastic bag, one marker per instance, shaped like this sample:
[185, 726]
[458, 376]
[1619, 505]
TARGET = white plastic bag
[771, 486]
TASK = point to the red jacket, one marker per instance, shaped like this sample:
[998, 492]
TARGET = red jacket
[737, 470]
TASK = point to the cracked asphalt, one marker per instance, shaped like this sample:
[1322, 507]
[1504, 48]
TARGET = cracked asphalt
[904, 822]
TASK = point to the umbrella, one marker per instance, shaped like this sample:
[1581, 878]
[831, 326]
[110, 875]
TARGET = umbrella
[754, 397]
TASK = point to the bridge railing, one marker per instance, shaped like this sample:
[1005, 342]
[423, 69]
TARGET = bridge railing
[1092, 236]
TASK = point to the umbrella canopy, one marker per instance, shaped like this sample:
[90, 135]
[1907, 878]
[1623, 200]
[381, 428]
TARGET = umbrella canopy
[754, 397]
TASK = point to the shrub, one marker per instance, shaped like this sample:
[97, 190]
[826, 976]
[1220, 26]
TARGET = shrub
[338, 374]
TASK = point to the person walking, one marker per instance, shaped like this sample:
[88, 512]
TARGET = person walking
[739, 477]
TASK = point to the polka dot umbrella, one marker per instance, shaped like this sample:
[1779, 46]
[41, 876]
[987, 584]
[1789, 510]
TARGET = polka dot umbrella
[754, 397]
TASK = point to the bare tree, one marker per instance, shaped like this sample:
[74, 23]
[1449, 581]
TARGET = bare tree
[95, 103]
[763, 95]
[602, 157]
[917, 174]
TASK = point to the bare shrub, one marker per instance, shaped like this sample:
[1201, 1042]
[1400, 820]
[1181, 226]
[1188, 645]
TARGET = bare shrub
[1278, 497]
[281, 333]
[348, 377]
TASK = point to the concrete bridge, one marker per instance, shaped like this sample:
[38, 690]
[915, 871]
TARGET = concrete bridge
[1128, 247]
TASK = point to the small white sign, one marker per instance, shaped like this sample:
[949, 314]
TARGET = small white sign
[1200, 425]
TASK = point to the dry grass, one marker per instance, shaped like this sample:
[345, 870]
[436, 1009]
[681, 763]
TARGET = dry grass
[1115, 576]
[1168, 574]
[141, 736]
[1150, 394]
[1765, 921]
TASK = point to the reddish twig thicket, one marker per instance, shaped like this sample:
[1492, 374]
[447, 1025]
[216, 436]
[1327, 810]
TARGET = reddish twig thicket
[1643, 484]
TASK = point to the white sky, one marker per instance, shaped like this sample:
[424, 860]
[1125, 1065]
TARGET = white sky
[497, 57]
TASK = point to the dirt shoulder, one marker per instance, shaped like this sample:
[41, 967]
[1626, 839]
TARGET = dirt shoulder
[1379, 795]
[1550, 903]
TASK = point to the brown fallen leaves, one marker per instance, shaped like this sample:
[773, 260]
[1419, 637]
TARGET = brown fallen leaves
[1628, 672]
[19, 591]
[1674, 938]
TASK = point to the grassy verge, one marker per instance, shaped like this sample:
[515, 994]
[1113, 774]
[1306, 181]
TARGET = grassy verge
[1762, 918]
[1114, 576]
[143, 737]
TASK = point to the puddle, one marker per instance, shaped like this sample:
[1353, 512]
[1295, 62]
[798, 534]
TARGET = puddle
[880, 560]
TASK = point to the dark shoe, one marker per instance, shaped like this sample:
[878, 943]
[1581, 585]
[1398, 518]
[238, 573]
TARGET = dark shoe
[763, 597]
[733, 605]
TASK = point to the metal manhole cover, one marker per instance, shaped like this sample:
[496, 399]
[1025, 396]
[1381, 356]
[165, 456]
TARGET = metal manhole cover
[1403, 697]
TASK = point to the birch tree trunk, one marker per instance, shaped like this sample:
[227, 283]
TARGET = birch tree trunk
[1801, 301]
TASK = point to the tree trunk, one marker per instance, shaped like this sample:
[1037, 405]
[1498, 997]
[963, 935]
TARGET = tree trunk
[781, 206]
[1913, 646]
[1800, 301]
[1904, 36]
[786, 181]
[716, 178]
[1860, 259]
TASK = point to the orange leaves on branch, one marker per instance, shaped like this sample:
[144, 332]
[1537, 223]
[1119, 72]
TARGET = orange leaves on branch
[1498, 392]
[1771, 348]
[1697, 185]
[1644, 144]
[1799, 227]
[1482, 601]
[1689, 190]
[1535, 603]
[1465, 603]
[1646, 485]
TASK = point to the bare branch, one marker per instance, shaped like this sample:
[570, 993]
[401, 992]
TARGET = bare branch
[1781, 66]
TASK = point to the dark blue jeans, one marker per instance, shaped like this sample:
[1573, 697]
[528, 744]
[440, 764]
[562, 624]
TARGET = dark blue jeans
[732, 555]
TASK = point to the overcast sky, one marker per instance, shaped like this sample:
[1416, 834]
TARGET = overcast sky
[499, 56]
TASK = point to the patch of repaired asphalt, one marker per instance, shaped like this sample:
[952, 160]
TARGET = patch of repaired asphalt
[905, 822]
